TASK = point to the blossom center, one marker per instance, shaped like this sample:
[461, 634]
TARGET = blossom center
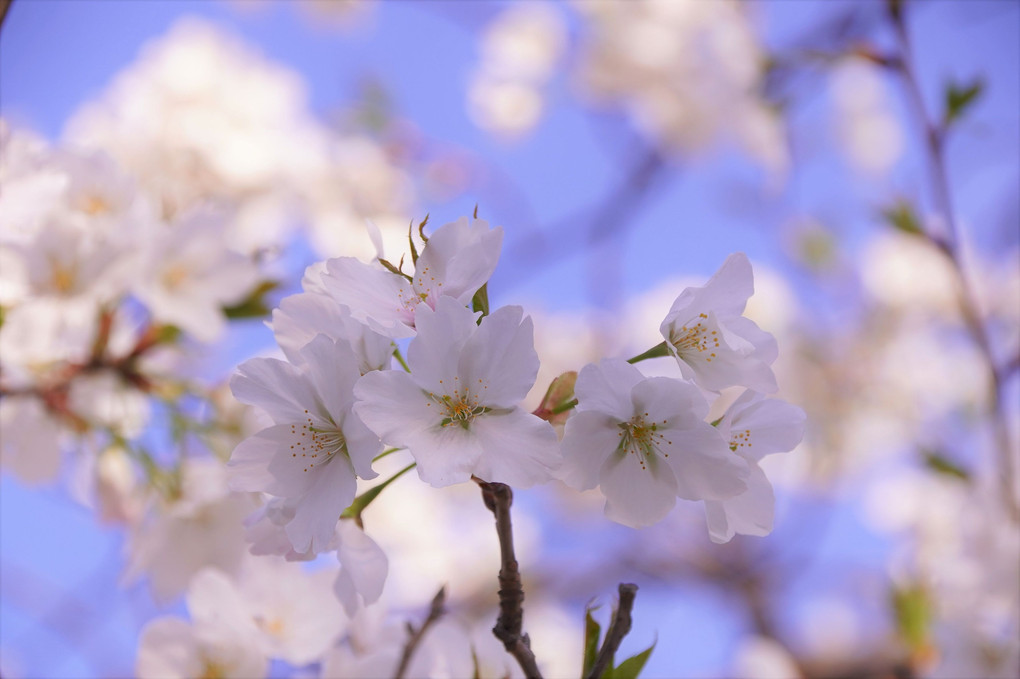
[643, 439]
[316, 444]
[740, 439]
[460, 408]
[695, 338]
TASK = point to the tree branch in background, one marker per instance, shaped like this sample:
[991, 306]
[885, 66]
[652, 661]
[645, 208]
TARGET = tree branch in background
[618, 629]
[934, 138]
[436, 611]
[498, 497]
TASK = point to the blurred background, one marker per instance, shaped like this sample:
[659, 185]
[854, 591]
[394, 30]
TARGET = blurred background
[864, 156]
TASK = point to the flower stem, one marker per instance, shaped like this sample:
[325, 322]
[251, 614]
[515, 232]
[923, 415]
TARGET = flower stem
[618, 629]
[400, 359]
[436, 611]
[660, 349]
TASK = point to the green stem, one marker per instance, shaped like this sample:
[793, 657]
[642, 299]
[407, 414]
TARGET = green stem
[660, 349]
[365, 499]
[563, 407]
[388, 451]
[400, 358]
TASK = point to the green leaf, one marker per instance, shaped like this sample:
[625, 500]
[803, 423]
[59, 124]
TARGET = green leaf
[943, 465]
[254, 304]
[960, 97]
[410, 240]
[632, 666]
[592, 631]
[480, 302]
[913, 615]
[902, 216]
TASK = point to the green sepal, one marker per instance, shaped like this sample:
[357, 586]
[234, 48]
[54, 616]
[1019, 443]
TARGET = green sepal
[480, 302]
[392, 269]
[959, 98]
[592, 632]
[421, 229]
[254, 304]
[632, 666]
[365, 499]
[902, 216]
[410, 241]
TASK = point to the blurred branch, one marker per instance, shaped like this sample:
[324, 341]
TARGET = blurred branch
[5, 6]
[618, 629]
[436, 611]
[498, 497]
[935, 138]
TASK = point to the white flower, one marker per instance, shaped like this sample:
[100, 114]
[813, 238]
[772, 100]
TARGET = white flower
[716, 346]
[457, 260]
[644, 442]
[170, 648]
[31, 442]
[190, 275]
[317, 446]
[457, 412]
[363, 568]
[755, 427]
[301, 317]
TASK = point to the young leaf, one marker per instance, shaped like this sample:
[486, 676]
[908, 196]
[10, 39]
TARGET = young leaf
[959, 98]
[901, 216]
[480, 302]
[254, 304]
[592, 631]
[943, 465]
[632, 666]
[913, 615]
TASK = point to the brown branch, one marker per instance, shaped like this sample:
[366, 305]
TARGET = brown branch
[436, 611]
[935, 139]
[498, 497]
[618, 629]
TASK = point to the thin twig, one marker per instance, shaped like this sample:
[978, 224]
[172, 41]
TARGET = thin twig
[934, 137]
[498, 497]
[436, 611]
[618, 629]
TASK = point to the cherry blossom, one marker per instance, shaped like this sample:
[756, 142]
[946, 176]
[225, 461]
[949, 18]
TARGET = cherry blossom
[644, 442]
[457, 411]
[317, 447]
[714, 343]
[755, 427]
[457, 260]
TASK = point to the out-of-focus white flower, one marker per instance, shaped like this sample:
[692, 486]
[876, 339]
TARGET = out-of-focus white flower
[644, 442]
[105, 400]
[457, 260]
[457, 411]
[291, 613]
[200, 526]
[687, 71]
[171, 648]
[519, 50]
[755, 427]
[363, 568]
[763, 658]
[909, 274]
[189, 275]
[715, 344]
[867, 128]
[30, 447]
[317, 447]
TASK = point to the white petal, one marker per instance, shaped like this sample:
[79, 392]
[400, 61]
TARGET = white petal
[518, 449]
[445, 455]
[167, 649]
[275, 386]
[589, 438]
[750, 513]
[364, 565]
[704, 466]
[375, 296]
[679, 403]
[434, 354]
[362, 445]
[333, 370]
[636, 496]
[775, 425]
[606, 387]
[394, 407]
[499, 359]
[314, 522]
[458, 259]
